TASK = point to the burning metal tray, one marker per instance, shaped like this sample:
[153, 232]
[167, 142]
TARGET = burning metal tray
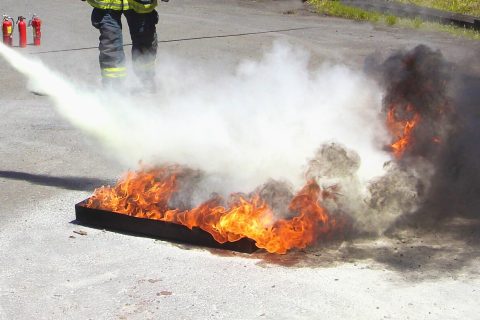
[156, 229]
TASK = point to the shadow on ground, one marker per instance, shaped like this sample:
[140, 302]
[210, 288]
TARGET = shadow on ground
[69, 183]
[449, 251]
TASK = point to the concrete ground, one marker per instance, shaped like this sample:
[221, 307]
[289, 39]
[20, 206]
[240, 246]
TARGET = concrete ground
[49, 272]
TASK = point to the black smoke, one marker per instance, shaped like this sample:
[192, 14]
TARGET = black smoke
[447, 98]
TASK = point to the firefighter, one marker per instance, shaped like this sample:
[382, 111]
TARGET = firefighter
[142, 19]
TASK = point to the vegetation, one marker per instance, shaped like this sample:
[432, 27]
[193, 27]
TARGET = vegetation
[337, 9]
[390, 20]
[471, 7]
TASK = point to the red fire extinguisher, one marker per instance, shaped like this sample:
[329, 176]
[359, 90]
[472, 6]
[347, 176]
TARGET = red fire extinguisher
[22, 31]
[36, 24]
[7, 29]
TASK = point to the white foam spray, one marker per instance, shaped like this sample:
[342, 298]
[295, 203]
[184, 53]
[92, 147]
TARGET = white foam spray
[265, 120]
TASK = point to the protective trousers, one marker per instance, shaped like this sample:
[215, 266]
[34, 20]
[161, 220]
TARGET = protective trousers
[144, 44]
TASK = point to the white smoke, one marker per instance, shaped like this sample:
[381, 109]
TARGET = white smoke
[265, 120]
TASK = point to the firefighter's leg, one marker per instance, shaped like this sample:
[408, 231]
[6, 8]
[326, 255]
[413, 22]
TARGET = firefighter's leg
[144, 45]
[112, 57]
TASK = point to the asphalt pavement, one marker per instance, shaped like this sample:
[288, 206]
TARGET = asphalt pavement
[49, 272]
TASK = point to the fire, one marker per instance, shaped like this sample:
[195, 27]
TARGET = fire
[401, 129]
[147, 193]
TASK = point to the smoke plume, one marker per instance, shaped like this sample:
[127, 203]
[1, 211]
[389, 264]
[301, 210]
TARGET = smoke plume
[444, 154]
[275, 123]
[264, 121]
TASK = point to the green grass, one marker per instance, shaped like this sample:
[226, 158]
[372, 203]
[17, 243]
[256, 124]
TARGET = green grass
[390, 20]
[471, 7]
[417, 23]
[337, 9]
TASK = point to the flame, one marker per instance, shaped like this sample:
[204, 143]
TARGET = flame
[402, 130]
[147, 192]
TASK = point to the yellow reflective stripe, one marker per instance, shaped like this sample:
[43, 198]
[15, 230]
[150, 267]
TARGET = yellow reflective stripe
[142, 8]
[109, 4]
[114, 72]
[114, 69]
[114, 76]
[123, 5]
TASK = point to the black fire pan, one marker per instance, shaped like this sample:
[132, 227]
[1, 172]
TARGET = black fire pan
[155, 229]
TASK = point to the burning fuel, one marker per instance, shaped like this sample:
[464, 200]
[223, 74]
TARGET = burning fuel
[148, 194]
[419, 112]
[274, 152]
[401, 130]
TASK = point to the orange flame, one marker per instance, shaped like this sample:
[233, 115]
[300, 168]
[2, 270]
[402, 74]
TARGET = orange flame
[146, 194]
[402, 130]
